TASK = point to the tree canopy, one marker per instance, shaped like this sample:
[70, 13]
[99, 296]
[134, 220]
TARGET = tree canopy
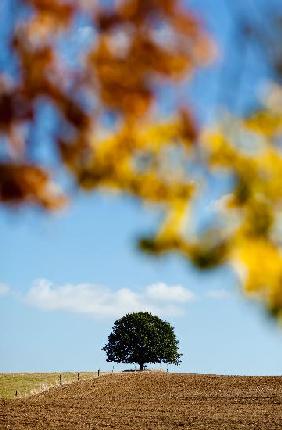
[141, 337]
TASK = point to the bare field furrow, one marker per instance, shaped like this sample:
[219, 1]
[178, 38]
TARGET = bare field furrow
[151, 401]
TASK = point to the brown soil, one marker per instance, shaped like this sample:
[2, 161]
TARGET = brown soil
[152, 401]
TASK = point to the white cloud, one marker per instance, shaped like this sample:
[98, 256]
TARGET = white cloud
[173, 293]
[4, 289]
[219, 294]
[160, 299]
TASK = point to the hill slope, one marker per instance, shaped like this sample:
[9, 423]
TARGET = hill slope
[27, 384]
[152, 401]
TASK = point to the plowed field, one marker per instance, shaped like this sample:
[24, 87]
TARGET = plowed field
[151, 401]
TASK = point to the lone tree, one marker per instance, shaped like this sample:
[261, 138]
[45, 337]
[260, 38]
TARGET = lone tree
[141, 337]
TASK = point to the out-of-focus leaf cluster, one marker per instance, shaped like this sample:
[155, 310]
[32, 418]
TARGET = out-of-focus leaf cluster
[119, 72]
[246, 232]
[139, 47]
[252, 156]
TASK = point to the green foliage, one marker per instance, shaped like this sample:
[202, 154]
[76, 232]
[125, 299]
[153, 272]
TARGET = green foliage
[141, 337]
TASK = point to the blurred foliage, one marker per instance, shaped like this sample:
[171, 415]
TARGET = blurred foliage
[140, 47]
[116, 74]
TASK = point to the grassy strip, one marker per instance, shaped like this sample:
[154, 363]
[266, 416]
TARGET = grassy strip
[26, 384]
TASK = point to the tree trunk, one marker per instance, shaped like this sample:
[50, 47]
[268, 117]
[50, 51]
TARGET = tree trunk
[141, 366]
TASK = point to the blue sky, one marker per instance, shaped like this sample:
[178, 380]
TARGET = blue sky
[93, 243]
[65, 278]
